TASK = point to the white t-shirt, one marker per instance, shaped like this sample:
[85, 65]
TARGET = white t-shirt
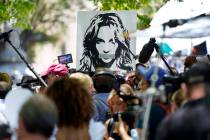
[3, 119]
[96, 130]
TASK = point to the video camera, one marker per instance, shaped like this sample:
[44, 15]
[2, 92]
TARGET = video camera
[127, 117]
[172, 83]
[29, 82]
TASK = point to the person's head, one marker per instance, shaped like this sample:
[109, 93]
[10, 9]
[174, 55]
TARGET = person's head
[141, 70]
[120, 104]
[5, 84]
[189, 61]
[85, 80]
[54, 72]
[149, 77]
[117, 103]
[104, 81]
[5, 132]
[132, 79]
[106, 40]
[37, 118]
[143, 85]
[177, 99]
[73, 101]
[196, 81]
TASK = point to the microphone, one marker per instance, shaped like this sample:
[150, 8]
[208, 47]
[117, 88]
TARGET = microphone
[5, 35]
[147, 51]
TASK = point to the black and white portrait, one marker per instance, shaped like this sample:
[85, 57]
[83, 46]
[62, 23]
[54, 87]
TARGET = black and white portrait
[103, 40]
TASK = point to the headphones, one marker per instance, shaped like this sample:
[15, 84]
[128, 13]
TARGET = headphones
[105, 75]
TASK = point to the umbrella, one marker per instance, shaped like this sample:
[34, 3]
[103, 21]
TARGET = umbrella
[195, 28]
[180, 10]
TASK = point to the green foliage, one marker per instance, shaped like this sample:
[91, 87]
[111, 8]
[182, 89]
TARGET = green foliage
[17, 12]
[48, 24]
[41, 21]
[143, 21]
[145, 8]
[49, 14]
[117, 4]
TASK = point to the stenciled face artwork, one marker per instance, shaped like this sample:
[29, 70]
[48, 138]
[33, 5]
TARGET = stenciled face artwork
[106, 44]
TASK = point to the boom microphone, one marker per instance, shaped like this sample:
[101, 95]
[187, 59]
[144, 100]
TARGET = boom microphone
[5, 35]
[147, 51]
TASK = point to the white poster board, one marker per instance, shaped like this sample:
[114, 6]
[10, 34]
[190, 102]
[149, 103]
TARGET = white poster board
[103, 40]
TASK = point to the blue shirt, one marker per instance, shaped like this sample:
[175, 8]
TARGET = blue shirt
[101, 107]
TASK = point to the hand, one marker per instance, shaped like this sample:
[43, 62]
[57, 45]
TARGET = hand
[110, 138]
[123, 129]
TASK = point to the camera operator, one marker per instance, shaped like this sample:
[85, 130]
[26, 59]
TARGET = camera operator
[158, 109]
[191, 121]
[132, 79]
[117, 129]
[54, 72]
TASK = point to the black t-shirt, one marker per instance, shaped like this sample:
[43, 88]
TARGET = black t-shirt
[157, 114]
[191, 122]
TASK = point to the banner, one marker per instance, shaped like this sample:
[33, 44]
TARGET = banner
[103, 40]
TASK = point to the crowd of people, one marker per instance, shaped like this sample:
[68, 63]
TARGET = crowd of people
[105, 105]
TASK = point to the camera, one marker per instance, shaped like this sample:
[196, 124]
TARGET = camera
[29, 82]
[172, 83]
[65, 59]
[127, 117]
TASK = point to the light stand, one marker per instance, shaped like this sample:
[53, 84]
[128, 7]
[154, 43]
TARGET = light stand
[6, 38]
[147, 114]
[164, 60]
[151, 92]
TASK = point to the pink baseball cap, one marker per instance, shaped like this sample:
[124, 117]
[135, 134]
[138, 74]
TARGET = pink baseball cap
[57, 69]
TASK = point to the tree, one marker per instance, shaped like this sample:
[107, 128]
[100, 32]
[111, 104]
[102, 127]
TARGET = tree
[40, 21]
[47, 22]
[145, 8]
[16, 12]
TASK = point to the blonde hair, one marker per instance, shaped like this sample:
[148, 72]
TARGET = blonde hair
[178, 98]
[73, 101]
[125, 89]
[84, 79]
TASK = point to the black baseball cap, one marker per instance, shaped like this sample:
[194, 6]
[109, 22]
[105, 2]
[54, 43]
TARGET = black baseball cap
[198, 73]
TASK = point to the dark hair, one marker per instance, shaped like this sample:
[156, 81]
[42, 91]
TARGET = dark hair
[4, 89]
[5, 131]
[104, 81]
[189, 61]
[90, 56]
[5, 84]
[39, 115]
[72, 100]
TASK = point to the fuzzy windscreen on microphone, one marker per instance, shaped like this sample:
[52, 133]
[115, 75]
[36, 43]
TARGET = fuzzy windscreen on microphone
[147, 51]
